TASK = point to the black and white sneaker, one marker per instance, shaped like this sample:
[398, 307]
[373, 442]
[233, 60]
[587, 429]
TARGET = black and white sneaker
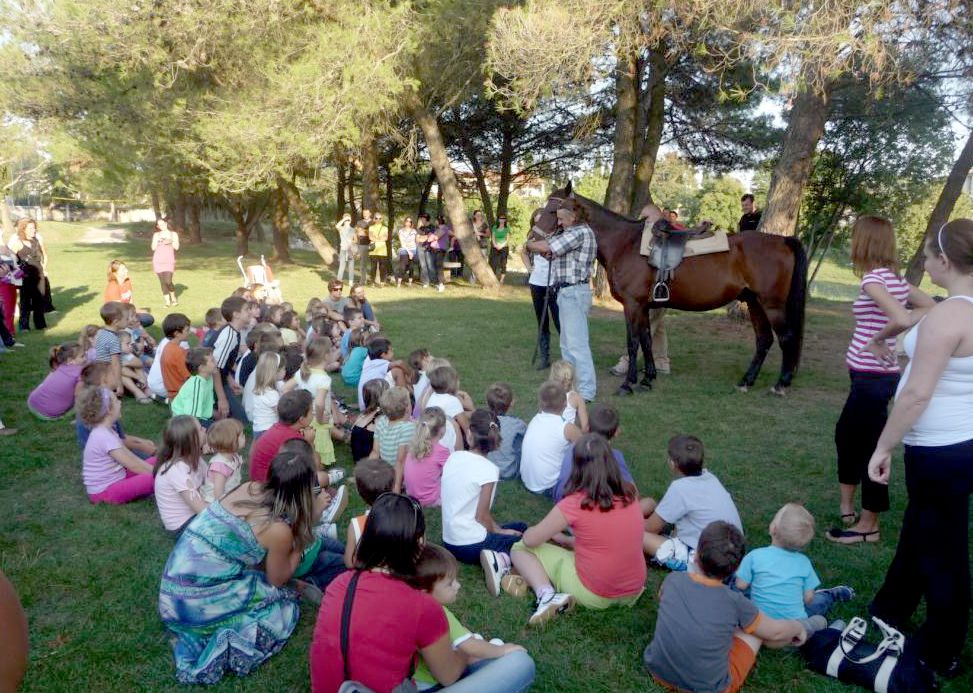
[495, 567]
[555, 603]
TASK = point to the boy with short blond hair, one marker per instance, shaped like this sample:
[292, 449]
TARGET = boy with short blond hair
[546, 440]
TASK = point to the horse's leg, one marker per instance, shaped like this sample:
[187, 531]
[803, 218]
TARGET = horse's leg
[764, 337]
[789, 347]
[645, 340]
[632, 347]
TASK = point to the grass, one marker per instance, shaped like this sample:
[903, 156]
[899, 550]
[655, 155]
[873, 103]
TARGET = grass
[88, 576]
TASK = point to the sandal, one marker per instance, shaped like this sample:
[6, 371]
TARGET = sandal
[849, 536]
[848, 519]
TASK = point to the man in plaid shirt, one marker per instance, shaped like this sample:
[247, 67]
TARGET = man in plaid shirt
[573, 253]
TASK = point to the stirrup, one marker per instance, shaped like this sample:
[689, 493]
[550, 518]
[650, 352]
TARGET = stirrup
[660, 292]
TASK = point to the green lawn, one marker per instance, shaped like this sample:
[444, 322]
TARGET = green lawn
[88, 576]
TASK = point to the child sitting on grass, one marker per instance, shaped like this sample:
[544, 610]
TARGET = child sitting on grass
[694, 500]
[313, 378]
[706, 635]
[781, 579]
[603, 420]
[133, 375]
[196, 396]
[444, 392]
[351, 370]
[108, 349]
[180, 473]
[607, 566]
[98, 375]
[575, 411]
[419, 363]
[226, 439]
[362, 437]
[373, 477]
[267, 386]
[172, 354]
[86, 339]
[111, 472]
[426, 457]
[437, 574]
[54, 397]
[394, 430]
[500, 398]
[214, 323]
[376, 366]
[546, 441]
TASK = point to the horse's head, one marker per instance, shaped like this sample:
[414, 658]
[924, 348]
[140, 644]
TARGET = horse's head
[544, 220]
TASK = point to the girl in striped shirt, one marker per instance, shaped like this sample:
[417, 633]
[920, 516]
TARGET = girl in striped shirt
[880, 306]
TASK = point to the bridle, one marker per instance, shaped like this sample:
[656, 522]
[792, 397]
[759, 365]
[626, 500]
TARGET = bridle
[548, 209]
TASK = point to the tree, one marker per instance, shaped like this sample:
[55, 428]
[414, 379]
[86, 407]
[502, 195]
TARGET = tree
[719, 202]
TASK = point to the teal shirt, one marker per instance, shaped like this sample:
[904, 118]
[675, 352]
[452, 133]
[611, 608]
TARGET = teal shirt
[195, 398]
[778, 579]
[351, 371]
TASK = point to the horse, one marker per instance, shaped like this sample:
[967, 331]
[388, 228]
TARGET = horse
[767, 272]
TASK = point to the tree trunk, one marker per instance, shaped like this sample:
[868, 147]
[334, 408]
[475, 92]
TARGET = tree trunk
[156, 205]
[5, 220]
[369, 166]
[426, 189]
[450, 190]
[341, 184]
[281, 222]
[944, 207]
[352, 207]
[618, 197]
[389, 213]
[177, 213]
[805, 126]
[195, 228]
[309, 225]
[654, 108]
[481, 187]
[506, 163]
[242, 233]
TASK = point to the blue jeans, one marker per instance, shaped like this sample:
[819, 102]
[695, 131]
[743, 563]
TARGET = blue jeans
[346, 259]
[422, 254]
[820, 604]
[329, 564]
[470, 553]
[573, 306]
[512, 673]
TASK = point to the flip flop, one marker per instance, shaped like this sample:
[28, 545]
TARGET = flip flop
[849, 536]
[848, 519]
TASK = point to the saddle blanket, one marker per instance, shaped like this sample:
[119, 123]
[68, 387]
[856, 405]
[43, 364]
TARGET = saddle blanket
[717, 243]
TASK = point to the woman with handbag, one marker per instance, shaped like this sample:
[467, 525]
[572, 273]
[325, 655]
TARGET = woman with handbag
[933, 416]
[372, 622]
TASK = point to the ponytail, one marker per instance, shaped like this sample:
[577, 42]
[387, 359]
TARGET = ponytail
[431, 424]
[62, 353]
[316, 354]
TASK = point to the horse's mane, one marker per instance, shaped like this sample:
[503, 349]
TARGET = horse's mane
[636, 224]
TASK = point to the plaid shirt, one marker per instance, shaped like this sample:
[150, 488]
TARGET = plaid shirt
[575, 251]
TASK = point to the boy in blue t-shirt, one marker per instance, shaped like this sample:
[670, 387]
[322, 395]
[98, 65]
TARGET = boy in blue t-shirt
[781, 579]
[602, 419]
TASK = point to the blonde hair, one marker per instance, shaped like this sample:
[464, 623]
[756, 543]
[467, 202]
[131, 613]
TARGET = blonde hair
[431, 423]
[224, 436]
[313, 306]
[873, 244]
[436, 362]
[315, 355]
[265, 374]
[395, 403]
[562, 372]
[93, 404]
[87, 337]
[793, 527]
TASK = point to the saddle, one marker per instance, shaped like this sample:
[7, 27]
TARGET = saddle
[670, 244]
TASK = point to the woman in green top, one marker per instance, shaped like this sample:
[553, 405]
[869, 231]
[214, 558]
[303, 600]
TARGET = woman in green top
[499, 235]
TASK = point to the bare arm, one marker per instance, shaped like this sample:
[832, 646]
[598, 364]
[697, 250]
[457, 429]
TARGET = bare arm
[572, 432]
[483, 514]
[282, 558]
[194, 500]
[578, 403]
[655, 524]
[476, 649]
[131, 461]
[350, 546]
[399, 468]
[175, 240]
[445, 664]
[155, 242]
[116, 372]
[222, 405]
[553, 523]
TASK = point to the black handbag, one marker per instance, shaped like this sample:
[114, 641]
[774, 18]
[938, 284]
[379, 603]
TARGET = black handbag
[891, 666]
[350, 686]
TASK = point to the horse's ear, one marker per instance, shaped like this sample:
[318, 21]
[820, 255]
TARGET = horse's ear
[567, 189]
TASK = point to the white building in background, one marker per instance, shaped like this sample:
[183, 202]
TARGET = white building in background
[968, 184]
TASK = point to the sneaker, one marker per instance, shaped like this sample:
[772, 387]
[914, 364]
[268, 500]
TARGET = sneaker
[620, 368]
[495, 568]
[556, 603]
[325, 530]
[673, 554]
[335, 475]
[441, 288]
[514, 585]
[840, 593]
[18, 345]
[338, 503]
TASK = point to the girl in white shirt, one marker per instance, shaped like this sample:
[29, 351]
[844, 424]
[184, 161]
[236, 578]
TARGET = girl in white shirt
[268, 379]
[226, 439]
[180, 473]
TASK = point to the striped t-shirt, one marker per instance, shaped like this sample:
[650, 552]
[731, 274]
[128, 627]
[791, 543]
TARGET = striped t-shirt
[107, 345]
[869, 319]
[391, 436]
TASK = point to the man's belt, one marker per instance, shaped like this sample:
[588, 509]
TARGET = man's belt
[563, 285]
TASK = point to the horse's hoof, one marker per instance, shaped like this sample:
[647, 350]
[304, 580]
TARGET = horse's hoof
[624, 390]
[643, 387]
[778, 390]
[743, 388]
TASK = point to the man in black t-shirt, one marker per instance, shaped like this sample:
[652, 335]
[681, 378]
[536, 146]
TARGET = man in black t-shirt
[750, 219]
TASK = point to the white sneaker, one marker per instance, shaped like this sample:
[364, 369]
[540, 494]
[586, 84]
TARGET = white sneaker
[441, 288]
[337, 506]
[620, 368]
[18, 345]
[335, 475]
[325, 530]
[556, 603]
[494, 569]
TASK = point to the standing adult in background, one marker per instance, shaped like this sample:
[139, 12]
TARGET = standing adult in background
[881, 303]
[750, 219]
[9, 282]
[439, 246]
[378, 234]
[573, 252]
[542, 292]
[933, 416]
[407, 251]
[499, 248]
[425, 236]
[347, 248]
[165, 243]
[364, 244]
[30, 258]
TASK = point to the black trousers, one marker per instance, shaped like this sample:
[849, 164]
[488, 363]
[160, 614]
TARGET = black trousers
[404, 266]
[932, 559]
[32, 302]
[544, 318]
[165, 281]
[498, 260]
[857, 431]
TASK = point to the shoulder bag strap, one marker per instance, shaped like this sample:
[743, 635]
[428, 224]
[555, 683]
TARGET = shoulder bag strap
[346, 621]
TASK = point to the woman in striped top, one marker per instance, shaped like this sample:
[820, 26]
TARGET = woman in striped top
[881, 303]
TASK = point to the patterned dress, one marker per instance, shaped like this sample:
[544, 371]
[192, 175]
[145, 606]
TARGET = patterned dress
[217, 602]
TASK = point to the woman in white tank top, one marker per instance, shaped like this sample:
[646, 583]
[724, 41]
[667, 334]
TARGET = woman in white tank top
[933, 416]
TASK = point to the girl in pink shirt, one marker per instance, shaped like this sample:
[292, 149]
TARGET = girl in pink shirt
[54, 397]
[180, 473]
[426, 457]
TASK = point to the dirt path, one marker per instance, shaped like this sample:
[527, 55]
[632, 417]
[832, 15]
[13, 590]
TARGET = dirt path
[97, 235]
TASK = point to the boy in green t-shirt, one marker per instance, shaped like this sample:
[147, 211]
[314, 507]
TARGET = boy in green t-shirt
[196, 397]
[436, 573]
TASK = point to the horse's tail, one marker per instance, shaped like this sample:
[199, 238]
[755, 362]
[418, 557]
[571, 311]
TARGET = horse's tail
[797, 297]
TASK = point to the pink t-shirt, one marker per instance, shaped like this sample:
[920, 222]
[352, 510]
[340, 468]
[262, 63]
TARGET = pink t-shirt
[423, 477]
[608, 546]
[869, 319]
[170, 484]
[99, 469]
[55, 395]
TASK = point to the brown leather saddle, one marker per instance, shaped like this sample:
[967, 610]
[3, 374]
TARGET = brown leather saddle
[668, 249]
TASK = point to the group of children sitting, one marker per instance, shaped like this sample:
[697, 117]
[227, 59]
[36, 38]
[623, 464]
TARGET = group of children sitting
[414, 430]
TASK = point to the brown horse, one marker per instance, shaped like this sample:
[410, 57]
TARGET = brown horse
[766, 272]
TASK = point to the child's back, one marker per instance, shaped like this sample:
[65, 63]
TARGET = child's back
[54, 397]
[778, 579]
[107, 344]
[507, 456]
[351, 371]
[543, 450]
[693, 502]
